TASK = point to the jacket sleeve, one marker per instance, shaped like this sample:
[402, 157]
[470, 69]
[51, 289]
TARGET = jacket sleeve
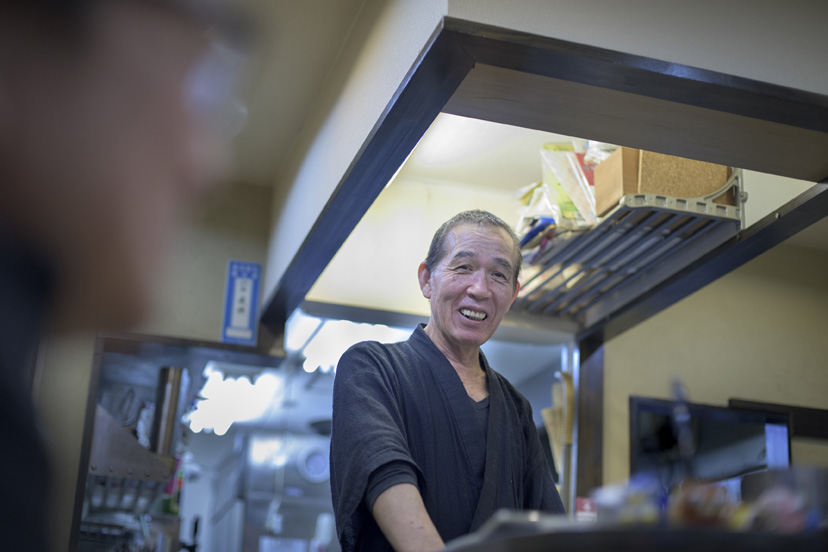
[367, 433]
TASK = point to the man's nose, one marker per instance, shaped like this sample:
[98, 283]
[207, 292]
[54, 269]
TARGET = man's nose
[479, 285]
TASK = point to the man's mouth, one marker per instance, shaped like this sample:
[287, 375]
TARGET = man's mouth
[473, 315]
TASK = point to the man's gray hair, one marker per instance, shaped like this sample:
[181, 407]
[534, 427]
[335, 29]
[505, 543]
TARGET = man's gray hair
[437, 250]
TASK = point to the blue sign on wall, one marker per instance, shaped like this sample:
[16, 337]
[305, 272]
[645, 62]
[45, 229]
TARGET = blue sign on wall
[241, 303]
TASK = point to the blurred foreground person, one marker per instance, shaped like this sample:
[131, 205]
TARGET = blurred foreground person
[110, 127]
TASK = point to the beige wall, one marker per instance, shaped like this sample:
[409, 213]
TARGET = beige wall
[377, 266]
[65, 369]
[768, 192]
[234, 226]
[386, 40]
[757, 333]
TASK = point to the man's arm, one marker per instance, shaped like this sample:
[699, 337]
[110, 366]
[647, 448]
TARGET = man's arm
[401, 514]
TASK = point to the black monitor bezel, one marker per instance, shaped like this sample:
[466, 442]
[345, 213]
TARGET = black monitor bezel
[664, 406]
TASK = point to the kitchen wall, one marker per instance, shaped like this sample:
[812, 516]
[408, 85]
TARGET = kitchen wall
[386, 40]
[377, 266]
[234, 226]
[763, 40]
[758, 333]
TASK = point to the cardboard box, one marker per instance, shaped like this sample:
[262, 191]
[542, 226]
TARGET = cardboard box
[680, 177]
[616, 177]
[630, 171]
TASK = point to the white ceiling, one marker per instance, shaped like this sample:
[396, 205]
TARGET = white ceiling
[473, 152]
[299, 44]
[479, 153]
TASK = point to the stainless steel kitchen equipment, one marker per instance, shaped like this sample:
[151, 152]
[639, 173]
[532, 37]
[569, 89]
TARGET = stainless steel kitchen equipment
[173, 383]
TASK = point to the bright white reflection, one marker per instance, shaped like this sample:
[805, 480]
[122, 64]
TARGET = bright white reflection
[268, 451]
[445, 142]
[298, 329]
[227, 400]
[337, 336]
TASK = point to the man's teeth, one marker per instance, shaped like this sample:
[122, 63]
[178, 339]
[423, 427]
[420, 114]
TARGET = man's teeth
[474, 315]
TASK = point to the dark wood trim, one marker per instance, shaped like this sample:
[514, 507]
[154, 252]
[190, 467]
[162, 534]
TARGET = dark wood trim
[419, 99]
[451, 54]
[86, 444]
[794, 216]
[571, 108]
[454, 49]
[811, 423]
[127, 342]
[640, 75]
[590, 457]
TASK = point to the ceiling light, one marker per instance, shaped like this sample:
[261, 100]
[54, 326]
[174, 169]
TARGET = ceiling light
[337, 336]
[224, 401]
[299, 328]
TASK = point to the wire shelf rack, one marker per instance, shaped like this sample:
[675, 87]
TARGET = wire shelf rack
[644, 241]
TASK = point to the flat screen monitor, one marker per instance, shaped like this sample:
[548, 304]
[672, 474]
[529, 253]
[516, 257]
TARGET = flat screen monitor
[729, 443]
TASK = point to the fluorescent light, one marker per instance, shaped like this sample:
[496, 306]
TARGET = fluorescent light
[225, 401]
[268, 451]
[299, 329]
[337, 336]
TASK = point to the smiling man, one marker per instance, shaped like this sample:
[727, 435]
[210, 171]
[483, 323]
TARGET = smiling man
[428, 441]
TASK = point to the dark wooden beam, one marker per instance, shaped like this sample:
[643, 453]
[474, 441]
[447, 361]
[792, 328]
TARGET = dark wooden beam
[653, 78]
[419, 99]
[133, 343]
[811, 423]
[634, 120]
[539, 82]
[794, 216]
[663, 106]
[590, 458]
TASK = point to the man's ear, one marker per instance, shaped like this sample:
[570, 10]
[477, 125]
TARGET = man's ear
[424, 276]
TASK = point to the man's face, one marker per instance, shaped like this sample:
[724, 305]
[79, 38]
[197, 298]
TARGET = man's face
[472, 287]
[106, 157]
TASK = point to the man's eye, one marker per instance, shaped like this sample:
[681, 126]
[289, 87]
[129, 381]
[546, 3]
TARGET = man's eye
[464, 267]
[500, 275]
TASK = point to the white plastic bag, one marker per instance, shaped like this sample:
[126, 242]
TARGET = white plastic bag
[568, 186]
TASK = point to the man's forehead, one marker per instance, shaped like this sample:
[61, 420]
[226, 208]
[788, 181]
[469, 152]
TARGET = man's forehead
[477, 239]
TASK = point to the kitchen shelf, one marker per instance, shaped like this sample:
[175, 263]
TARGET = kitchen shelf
[123, 475]
[641, 243]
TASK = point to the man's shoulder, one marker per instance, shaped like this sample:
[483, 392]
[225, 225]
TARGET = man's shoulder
[376, 348]
[374, 353]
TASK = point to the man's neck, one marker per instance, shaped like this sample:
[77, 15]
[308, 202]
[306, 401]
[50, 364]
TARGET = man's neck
[464, 358]
[466, 362]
